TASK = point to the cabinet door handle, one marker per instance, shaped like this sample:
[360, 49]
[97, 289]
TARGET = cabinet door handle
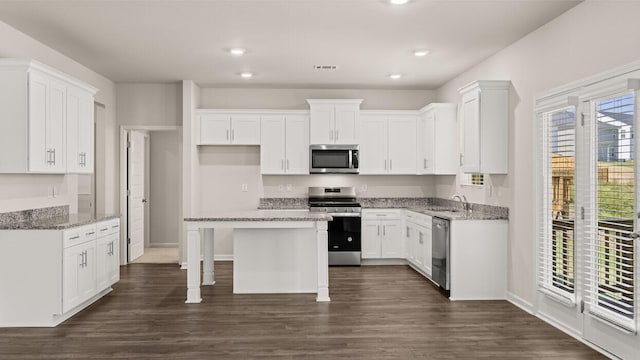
[425, 163]
[54, 156]
[91, 233]
[337, 134]
[384, 230]
[288, 164]
[385, 164]
[115, 226]
[227, 134]
[390, 164]
[378, 229]
[105, 229]
[461, 159]
[233, 134]
[330, 134]
[74, 237]
[282, 164]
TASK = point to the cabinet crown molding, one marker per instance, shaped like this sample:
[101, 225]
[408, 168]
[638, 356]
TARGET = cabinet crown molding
[433, 106]
[485, 85]
[27, 64]
[334, 101]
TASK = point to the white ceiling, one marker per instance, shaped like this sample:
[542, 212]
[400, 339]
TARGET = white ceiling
[164, 41]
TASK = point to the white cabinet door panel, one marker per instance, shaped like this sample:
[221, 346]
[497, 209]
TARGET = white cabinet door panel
[470, 123]
[86, 134]
[429, 134]
[392, 240]
[427, 247]
[39, 154]
[72, 261]
[215, 129]
[373, 146]
[74, 159]
[273, 145]
[245, 129]
[297, 144]
[371, 237]
[56, 125]
[402, 145]
[322, 123]
[346, 124]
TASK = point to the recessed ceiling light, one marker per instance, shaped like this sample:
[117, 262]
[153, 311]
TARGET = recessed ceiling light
[246, 75]
[237, 51]
[421, 53]
[398, 2]
[395, 76]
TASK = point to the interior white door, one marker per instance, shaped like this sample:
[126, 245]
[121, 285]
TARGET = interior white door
[611, 227]
[136, 188]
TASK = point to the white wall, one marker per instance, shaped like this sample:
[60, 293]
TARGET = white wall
[149, 104]
[164, 193]
[19, 192]
[592, 37]
[243, 98]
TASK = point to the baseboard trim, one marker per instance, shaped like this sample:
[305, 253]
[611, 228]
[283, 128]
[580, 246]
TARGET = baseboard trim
[167, 245]
[520, 302]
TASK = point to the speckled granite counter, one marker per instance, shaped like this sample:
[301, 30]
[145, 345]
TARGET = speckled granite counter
[444, 208]
[283, 203]
[263, 215]
[58, 222]
[52, 218]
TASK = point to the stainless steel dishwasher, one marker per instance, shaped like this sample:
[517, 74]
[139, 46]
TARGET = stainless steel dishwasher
[440, 252]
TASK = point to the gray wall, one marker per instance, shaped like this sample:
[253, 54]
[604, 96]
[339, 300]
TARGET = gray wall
[164, 193]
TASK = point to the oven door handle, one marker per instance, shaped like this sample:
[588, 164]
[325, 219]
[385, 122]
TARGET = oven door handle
[345, 214]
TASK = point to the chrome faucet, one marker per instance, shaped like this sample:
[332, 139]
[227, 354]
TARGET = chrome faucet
[463, 199]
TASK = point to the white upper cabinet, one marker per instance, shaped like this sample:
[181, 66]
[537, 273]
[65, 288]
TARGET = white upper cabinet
[36, 98]
[388, 143]
[220, 128]
[484, 121]
[284, 147]
[334, 121]
[80, 124]
[437, 140]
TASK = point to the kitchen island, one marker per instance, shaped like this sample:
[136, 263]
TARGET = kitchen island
[274, 252]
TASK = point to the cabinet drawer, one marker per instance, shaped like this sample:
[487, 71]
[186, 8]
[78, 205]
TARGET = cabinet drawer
[419, 219]
[78, 235]
[108, 227]
[382, 214]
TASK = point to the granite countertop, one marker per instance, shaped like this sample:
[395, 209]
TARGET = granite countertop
[443, 208]
[263, 215]
[60, 222]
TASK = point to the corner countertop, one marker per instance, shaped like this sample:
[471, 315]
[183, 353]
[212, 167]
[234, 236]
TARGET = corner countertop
[60, 222]
[262, 215]
[443, 208]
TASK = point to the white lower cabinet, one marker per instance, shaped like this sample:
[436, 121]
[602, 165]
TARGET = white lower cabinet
[382, 234]
[72, 268]
[78, 274]
[418, 241]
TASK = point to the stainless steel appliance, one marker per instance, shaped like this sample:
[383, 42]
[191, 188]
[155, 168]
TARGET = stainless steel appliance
[334, 159]
[440, 266]
[344, 230]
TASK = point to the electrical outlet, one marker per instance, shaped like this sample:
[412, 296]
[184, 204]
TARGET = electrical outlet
[280, 187]
[245, 187]
[363, 187]
[289, 187]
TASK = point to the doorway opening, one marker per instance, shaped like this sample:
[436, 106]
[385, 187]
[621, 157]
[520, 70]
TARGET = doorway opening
[151, 164]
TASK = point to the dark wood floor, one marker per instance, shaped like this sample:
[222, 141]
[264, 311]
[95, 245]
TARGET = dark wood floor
[377, 312]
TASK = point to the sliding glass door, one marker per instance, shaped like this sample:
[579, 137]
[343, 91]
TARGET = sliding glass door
[611, 224]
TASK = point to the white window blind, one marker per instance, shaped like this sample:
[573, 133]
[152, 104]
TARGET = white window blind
[610, 251]
[556, 253]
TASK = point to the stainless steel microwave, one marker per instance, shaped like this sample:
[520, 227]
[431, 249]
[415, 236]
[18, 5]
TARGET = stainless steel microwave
[333, 159]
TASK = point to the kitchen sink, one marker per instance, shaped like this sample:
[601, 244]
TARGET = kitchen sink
[447, 209]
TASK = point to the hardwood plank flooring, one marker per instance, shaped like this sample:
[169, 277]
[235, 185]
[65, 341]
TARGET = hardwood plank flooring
[376, 312]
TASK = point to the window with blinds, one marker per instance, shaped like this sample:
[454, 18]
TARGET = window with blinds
[609, 262]
[474, 179]
[556, 271]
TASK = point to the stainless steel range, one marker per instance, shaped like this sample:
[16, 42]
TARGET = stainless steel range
[344, 230]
